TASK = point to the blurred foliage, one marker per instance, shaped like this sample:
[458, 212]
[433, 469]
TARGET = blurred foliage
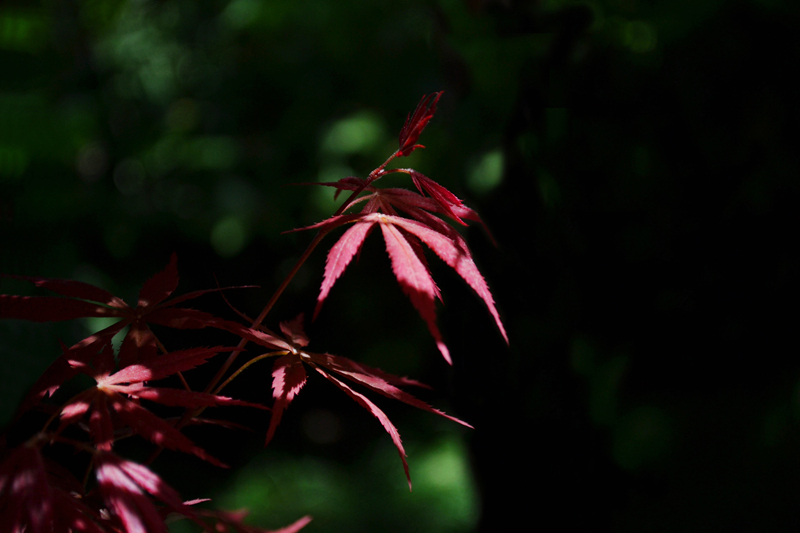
[633, 159]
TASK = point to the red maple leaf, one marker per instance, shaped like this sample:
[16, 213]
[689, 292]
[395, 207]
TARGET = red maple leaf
[33, 499]
[111, 397]
[78, 299]
[403, 237]
[124, 486]
[289, 376]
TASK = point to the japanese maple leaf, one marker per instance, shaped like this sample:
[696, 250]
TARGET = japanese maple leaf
[113, 390]
[78, 299]
[32, 499]
[25, 496]
[125, 485]
[442, 202]
[289, 376]
[402, 237]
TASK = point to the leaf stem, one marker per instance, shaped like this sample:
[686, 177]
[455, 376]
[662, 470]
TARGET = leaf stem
[244, 366]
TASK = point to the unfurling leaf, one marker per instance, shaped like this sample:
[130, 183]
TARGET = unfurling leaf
[416, 123]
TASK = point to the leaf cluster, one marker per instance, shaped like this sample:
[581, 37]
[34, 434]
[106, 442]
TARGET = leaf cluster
[120, 495]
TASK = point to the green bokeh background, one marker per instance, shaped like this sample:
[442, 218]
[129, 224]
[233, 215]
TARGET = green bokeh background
[634, 160]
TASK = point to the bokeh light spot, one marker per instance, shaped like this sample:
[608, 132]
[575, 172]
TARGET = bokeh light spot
[356, 133]
[229, 236]
[639, 36]
[13, 162]
[486, 173]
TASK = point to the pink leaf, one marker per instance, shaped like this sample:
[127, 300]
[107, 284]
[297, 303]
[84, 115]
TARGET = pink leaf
[343, 365]
[376, 380]
[163, 366]
[125, 498]
[414, 278]
[288, 377]
[78, 406]
[458, 258]
[340, 256]
[154, 485]
[364, 402]
[264, 339]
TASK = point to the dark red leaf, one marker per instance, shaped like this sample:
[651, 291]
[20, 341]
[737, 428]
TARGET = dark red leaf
[444, 198]
[73, 515]
[156, 430]
[416, 123]
[50, 308]
[27, 494]
[158, 288]
[139, 345]
[75, 289]
[100, 424]
[71, 362]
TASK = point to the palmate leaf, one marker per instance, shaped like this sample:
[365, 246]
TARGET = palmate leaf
[407, 201]
[414, 277]
[111, 393]
[446, 200]
[400, 235]
[26, 499]
[78, 299]
[289, 376]
[124, 486]
[35, 499]
[340, 256]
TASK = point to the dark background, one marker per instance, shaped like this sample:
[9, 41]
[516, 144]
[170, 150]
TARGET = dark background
[635, 160]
